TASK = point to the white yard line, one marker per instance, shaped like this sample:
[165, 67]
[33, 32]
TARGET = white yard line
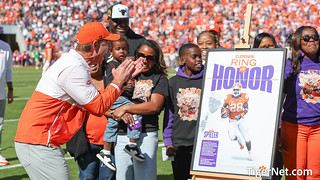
[67, 158]
[10, 166]
[19, 165]
[11, 120]
[20, 99]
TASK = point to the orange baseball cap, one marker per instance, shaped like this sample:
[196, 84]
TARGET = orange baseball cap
[92, 31]
[213, 28]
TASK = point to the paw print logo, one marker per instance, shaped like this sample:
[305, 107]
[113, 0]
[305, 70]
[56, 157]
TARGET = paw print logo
[262, 169]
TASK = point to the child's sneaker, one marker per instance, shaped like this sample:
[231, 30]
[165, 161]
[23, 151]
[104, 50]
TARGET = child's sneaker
[106, 159]
[3, 161]
[135, 152]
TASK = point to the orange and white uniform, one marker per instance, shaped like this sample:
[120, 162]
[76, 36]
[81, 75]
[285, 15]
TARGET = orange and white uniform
[49, 45]
[50, 56]
[236, 105]
[57, 107]
[237, 109]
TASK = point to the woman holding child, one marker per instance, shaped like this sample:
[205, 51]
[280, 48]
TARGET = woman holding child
[150, 94]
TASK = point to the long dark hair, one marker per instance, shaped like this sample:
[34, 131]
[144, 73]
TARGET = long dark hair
[160, 66]
[259, 37]
[296, 49]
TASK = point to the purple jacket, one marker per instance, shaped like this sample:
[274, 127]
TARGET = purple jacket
[181, 80]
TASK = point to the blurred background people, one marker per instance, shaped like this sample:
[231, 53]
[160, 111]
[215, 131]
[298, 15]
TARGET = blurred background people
[49, 53]
[5, 79]
[36, 55]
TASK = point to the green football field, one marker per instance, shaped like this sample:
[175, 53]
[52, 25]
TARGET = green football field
[24, 83]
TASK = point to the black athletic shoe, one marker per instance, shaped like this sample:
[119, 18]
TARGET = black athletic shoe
[134, 152]
[106, 159]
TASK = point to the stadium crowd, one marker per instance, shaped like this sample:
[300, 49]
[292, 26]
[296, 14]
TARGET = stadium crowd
[175, 26]
[170, 23]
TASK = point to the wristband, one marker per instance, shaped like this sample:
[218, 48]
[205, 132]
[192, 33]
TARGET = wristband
[116, 86]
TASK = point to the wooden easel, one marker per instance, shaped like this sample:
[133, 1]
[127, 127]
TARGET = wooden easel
[217, 176]
[245, 38]
[244, 44]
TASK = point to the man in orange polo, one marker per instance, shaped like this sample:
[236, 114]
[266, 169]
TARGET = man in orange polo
[63, 95]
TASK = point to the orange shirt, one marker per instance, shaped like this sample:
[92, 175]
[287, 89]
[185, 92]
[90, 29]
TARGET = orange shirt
[94, 129]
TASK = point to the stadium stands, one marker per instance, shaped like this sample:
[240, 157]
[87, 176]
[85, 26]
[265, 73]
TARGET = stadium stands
[169, 22]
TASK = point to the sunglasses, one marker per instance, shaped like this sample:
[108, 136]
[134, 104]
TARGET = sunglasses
[308, 38]
[149, 58]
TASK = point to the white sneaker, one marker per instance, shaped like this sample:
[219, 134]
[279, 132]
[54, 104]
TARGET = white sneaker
[134, 152]
[3, 161]
[106, 159]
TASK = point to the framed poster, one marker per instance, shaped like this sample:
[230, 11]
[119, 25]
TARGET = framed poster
[239, 112]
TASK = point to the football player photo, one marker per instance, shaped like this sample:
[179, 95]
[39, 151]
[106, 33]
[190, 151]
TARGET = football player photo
[235, 108]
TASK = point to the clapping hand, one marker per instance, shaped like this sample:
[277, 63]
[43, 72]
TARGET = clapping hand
[127, 70]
